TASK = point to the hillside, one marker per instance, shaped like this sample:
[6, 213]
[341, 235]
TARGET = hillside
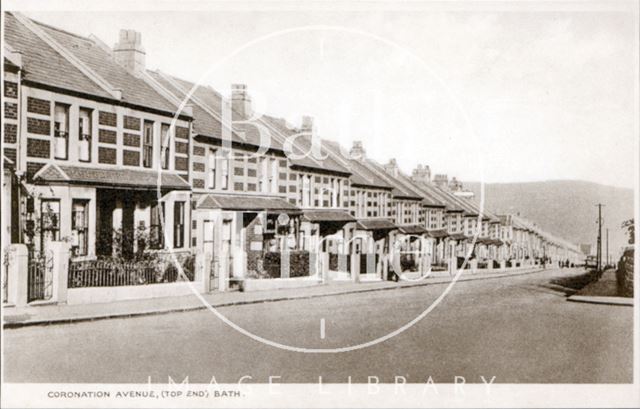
[564, 207]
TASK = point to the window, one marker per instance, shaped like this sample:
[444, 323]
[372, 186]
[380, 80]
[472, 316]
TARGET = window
[147, 145]
[273, 176]
[49, 221]
[80, 226]
[84, 135]
[156, 233]
[165, 143]
[61, 132]
[211, 169]
[178, 225]
[225, 163]
[264, 175]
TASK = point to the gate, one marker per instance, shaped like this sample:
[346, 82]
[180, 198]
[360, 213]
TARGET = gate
[40, 276]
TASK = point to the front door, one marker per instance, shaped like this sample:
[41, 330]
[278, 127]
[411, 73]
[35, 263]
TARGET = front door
[209, 249]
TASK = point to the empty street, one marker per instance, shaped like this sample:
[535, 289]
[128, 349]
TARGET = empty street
[516, 329]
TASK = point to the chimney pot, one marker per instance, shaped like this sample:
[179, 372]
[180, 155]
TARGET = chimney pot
[357, 151]
[129, 52]
[240, 101]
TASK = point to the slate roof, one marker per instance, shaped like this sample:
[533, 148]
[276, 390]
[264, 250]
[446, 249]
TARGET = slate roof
[375, 224]
[399, 190]
[256, 203]
[413, 229]
[302, 146]
[437, 234]
[110, 177]
[46, 66]
[321, 215]
[360, 174]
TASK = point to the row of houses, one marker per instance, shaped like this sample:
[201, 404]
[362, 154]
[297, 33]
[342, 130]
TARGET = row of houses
[122, 162]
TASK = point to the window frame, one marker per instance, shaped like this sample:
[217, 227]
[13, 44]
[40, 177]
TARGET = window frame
[147, 144]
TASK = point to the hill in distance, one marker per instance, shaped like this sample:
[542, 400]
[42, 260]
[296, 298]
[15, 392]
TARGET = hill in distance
[566, 208]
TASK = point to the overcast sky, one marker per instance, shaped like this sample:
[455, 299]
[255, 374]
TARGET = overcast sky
[513, 91]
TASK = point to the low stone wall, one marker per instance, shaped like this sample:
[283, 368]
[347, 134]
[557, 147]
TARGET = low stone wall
[624, 274]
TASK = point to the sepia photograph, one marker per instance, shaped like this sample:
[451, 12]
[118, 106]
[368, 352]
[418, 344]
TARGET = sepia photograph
[323, 204]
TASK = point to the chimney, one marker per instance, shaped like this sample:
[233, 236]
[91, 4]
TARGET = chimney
[441, 180]
[455, 185]
[421, 174]
[357, 151]
[392, 168]
[241, 101]
[129, 52]
[306, 124]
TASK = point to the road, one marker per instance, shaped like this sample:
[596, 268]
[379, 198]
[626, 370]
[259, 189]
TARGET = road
[515, 329]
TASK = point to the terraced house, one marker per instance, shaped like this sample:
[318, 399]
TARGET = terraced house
[124, 182]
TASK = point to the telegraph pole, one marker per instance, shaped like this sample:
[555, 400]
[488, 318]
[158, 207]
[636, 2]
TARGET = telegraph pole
[599, 245]
[607, 248]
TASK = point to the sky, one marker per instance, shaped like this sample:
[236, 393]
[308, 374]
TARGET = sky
[499, 92]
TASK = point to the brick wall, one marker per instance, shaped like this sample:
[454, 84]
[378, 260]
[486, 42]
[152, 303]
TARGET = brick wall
[107, 118]
[132, 122]
[10, 110]
[38, 148]
[32, 169]
[10, 153]
[182, 163]
[182, 132]
[182, 147]
[10, 133]
[131, 158]
[10, 89]
[131, 139]
[107, 136]
[198, 183]
[198, 151]
[38, 106]
[107, 155]
[38, 126]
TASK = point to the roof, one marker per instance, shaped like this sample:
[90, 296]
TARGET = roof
[413, 229]
[303, 148]
[256, 203]
[360, 174]
[399, 189]
[437, 234]
[110, 177]
[375, 224]
[44, 65]
[319, 215]
[458, 236]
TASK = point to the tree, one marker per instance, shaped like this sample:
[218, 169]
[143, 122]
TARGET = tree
[630, 227]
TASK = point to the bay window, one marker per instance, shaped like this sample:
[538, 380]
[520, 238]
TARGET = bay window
[156, 232]
[80, 226]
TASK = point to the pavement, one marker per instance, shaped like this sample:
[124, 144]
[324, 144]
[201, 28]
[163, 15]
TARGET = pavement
[514, 329]
[603, 291]
[49, 314]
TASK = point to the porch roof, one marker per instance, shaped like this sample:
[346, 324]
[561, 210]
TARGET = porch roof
[413, 229]
[375, 224]
[437, 234]
[252, 203]
[458, 236]
[325, 215]
[116, 177]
